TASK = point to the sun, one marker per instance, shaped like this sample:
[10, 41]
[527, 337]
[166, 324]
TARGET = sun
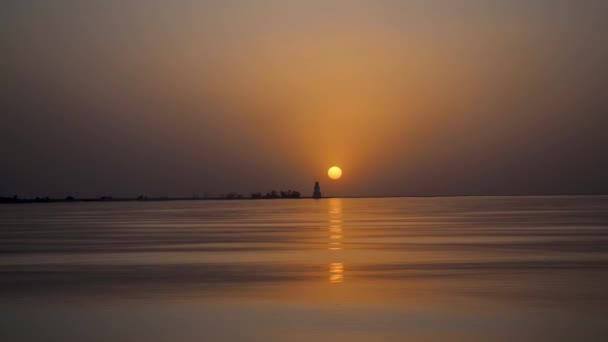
[334, 172]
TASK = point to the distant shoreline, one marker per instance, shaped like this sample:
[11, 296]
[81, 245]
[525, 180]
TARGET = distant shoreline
[5, 200]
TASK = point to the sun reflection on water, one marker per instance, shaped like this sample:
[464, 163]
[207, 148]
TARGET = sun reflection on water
[336, 272]
[336, 269]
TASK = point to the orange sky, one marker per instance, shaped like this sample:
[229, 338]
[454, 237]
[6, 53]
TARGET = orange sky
[407, 97]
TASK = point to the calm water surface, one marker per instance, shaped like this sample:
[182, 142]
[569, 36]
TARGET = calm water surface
[438, 269]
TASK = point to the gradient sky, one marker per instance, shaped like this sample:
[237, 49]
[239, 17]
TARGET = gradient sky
[409, 97]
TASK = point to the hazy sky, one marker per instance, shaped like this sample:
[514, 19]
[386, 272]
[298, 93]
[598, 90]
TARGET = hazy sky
[409, 97]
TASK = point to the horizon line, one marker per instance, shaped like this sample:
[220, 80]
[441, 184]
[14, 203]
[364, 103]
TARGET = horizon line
[71, 199]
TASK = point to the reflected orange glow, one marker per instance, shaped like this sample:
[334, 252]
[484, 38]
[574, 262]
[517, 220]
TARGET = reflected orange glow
[336, 269]
[335, 224]
[336, 272]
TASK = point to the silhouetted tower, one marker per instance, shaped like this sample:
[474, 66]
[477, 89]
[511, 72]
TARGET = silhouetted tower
[317, 192]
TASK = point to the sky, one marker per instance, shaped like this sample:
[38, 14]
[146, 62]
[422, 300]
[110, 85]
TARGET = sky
[420, 98]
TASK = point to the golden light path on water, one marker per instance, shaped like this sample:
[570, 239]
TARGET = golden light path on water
[336, 268]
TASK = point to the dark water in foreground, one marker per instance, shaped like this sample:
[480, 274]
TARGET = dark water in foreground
[444, 269]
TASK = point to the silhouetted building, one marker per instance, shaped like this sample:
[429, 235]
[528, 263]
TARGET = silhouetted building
[317, 191]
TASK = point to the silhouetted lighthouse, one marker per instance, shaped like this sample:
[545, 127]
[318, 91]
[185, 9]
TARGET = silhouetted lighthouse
[317, 192]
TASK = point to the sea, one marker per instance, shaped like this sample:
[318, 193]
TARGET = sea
[334, 269]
